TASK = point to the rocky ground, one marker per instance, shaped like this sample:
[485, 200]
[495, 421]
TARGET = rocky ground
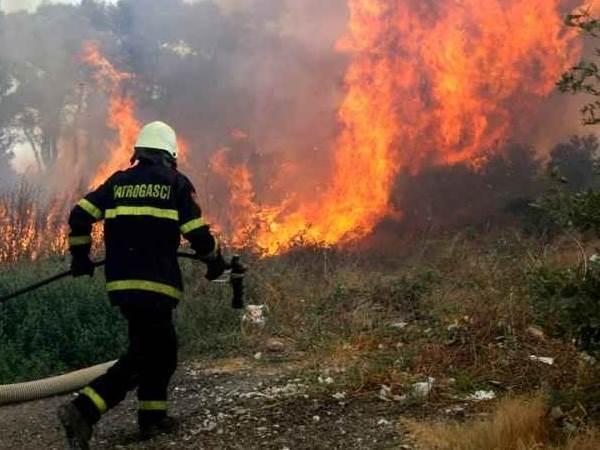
[234, 404]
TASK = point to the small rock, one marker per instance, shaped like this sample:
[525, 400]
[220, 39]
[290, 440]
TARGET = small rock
[570, 427]
[455, 411]
[258, 356]
[385, 394]
[542, 359]
[536, 332]
[275, 345]
[557, 413]
[339, 395]
[453, 327]
[479, 396]
[327, 380]
[209, 425]
[587, 358]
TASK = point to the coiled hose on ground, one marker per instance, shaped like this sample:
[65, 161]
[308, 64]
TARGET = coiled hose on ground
[48, 387]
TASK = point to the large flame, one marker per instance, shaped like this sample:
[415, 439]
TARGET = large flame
[121, 112]
[431, 82]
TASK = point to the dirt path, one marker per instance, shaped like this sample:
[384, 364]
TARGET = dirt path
[235, 407]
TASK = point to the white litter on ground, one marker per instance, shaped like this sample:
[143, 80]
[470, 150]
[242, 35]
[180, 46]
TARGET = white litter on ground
[542, 359]
[423, 389]
[480, 396]
[256, 315]
[327, 380]
[339, 395]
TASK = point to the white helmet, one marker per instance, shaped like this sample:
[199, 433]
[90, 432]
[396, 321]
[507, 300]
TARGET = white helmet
[158, 136]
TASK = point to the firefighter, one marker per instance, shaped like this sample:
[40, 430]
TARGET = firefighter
[145, 210]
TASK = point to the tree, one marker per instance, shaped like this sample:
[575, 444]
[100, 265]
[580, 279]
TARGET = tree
[7, 134]
[585, 77]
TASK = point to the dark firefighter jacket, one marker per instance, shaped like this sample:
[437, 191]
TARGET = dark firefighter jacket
[145, 209]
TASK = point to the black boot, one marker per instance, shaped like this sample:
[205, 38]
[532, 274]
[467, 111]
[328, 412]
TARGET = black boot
[150, 430]
[77, 429]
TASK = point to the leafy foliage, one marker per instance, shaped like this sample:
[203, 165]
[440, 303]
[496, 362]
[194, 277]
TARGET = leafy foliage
[69, 325]
[571, 201]
[570, 302]
[585, 77]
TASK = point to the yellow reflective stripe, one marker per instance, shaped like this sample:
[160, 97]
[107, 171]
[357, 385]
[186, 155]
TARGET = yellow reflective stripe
[152, 405]
[160, 213]
[95, 398]
[79, 240]
[192, 225]
[143, 285]
[90, 208]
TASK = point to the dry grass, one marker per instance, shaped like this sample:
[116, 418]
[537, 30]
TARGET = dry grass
[465, 303]
[516, 424]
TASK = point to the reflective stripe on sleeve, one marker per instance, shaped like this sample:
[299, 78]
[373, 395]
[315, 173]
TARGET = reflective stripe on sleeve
[153, 405]
[143, 285]
[159, 213]
[79, 240]
[90, 208]
[96, 399]
[192, 225]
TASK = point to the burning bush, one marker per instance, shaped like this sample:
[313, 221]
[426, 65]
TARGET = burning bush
[31, 225]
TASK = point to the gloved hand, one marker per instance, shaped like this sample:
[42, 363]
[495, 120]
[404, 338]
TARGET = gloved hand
[215, 266]
[82, 265]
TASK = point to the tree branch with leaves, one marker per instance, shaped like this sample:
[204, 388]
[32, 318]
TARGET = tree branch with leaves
[584, 78]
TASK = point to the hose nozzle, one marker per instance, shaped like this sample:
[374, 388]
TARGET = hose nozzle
[238, 271]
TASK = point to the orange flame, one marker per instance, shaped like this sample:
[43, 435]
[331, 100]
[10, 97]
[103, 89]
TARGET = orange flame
[121, 112]
[437, 83]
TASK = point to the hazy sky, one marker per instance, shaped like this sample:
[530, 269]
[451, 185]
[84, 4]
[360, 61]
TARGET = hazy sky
[17, 5]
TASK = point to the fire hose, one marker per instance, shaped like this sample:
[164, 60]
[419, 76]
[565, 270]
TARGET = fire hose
[70, 382]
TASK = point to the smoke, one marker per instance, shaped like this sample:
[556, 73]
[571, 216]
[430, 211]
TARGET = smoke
[267, 67]
[9, 6]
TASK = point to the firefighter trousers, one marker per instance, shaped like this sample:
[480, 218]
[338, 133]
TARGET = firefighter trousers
[148, 365]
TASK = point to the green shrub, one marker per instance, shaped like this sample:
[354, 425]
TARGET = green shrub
[569, 301]
[69, 324]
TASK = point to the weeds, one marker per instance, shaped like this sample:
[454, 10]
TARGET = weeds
[515, 424]
[68, 325]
